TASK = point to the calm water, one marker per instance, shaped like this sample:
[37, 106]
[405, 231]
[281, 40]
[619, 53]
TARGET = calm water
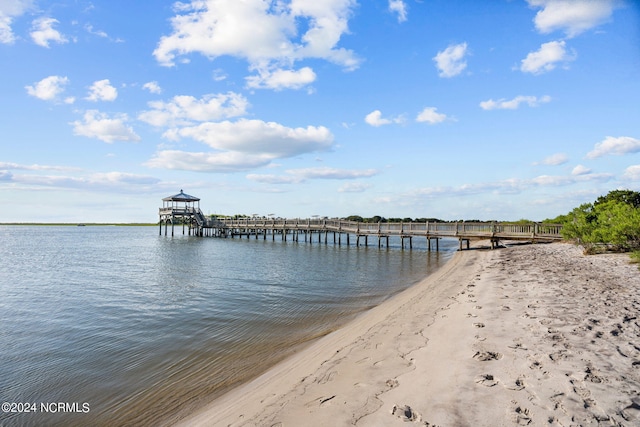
[131, 328]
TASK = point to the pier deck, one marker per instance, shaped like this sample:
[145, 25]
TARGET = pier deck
[201, 225]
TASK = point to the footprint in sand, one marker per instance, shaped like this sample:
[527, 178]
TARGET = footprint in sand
[486, 356]
[518, 385]
[479, 325]
[405, 413]
[522, 416]
[486, 380]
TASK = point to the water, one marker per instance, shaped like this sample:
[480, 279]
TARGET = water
[126, 327]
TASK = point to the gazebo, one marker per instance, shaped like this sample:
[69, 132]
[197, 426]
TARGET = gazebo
[183, 206]
[181, 200]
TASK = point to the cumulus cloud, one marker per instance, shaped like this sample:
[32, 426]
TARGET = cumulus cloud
[375, 119]
[431, 116]
[10, 9]
[399, 7]
[258, 137]
[152, 87]
[546, 58]
[282, 79]
[265, 33]
[450, 62]
[108, 129]
[241, 145]
[571, 16]
[612, 145]
[102, 90]
[185, 109]
[580, 170]
[632, 173]
[48, 88]
[513, 104]
[42, 32]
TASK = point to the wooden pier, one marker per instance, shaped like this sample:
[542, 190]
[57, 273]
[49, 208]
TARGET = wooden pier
[185, 210]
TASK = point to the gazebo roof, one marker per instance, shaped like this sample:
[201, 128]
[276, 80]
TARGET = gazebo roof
[181, 197]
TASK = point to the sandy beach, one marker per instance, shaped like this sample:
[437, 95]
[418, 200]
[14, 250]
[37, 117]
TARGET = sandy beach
[522, 335]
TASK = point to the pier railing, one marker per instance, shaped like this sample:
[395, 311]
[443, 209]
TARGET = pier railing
[464, 230]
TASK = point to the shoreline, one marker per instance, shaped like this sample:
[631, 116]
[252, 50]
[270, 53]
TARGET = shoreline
[535, 334]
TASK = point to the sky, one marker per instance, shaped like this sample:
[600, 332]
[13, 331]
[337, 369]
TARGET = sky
[451, 109]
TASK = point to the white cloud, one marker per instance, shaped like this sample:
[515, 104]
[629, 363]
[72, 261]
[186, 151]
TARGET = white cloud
[274, 179]
[265, 33]
[571, 16]
[546, 58]
[89, 28]
[399, 7]
[207, 162]
[6, 33]
[354, 187]
[331, 173]
[513, 104]
[101, 126]
[296, 176]
[556, 159]
[580, 170]
[109, 181]
[102, 90]
[282, 79]
[10, 9]
[632, 173]
[34, 167]
[509, 186]
[611, 145]
[48, 88]
[184, 109]
[42, 32]
[257, 137]
[152, 87]
[375, 119]
[241, 145]
[430, 116]
[450, 62]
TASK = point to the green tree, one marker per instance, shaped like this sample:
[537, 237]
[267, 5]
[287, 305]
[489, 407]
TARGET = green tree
[624, 196]
[610, 224]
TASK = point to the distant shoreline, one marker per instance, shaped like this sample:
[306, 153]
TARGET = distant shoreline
[88, 224]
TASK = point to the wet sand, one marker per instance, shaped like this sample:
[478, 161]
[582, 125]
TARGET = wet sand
[523, 335]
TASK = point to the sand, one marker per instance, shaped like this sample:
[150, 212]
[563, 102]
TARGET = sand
[523, 335]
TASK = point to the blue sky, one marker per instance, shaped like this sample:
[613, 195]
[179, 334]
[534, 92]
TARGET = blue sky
[497, 109]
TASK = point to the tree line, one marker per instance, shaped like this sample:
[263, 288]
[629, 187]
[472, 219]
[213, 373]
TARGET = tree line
[610, 223]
